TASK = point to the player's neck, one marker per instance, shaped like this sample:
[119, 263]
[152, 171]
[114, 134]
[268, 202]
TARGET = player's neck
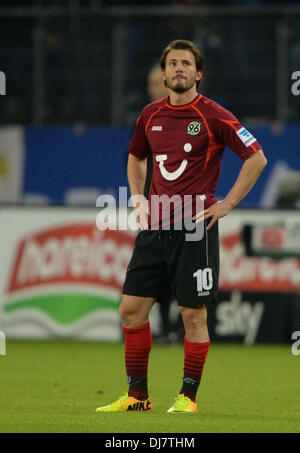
[182, 98]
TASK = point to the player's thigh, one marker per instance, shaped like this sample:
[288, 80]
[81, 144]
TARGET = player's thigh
[135, 308]
[147, 274]
[195, 269]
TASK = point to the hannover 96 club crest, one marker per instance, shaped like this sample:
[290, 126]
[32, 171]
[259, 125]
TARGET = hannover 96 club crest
[193, 128]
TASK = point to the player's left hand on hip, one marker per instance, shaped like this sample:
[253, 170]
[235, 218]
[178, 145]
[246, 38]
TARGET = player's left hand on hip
[215, 211]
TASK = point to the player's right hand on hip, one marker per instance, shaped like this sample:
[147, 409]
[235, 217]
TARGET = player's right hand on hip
[141, 210]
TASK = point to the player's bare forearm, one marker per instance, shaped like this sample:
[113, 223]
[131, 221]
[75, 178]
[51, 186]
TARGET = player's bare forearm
[247, 177]
[136, 172]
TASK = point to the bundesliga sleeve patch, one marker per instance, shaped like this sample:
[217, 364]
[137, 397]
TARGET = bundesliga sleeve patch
[245, 136]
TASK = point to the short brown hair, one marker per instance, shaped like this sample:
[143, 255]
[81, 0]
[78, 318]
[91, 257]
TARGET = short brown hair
[183, 44]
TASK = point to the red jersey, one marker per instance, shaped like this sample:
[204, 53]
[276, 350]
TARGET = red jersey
[187, 143]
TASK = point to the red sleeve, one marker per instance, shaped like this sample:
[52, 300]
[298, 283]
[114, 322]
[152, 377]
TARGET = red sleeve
[228, 131]
[139, 145]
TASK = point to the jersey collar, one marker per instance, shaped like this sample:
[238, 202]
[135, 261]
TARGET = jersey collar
[176, 107]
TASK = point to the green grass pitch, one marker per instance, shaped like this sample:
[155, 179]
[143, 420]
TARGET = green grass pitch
[55, 386]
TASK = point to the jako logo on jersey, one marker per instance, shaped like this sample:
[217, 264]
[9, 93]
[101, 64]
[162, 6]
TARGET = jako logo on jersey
[193, 128]
[245, 136]
[156, 128]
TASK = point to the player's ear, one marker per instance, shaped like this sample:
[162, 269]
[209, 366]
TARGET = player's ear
[199, 75]
[163, 74]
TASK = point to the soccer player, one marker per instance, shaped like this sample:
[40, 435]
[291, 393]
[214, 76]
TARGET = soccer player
[186, 134]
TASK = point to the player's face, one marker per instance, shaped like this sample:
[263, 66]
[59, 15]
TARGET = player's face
[180, 73]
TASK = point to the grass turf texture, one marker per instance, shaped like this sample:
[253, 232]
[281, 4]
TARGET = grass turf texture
[55, 386]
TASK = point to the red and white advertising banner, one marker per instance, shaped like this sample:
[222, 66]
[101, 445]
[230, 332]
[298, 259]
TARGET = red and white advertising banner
[238, 271]
[61, 276]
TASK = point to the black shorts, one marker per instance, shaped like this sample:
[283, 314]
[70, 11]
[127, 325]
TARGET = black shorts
[165, 265]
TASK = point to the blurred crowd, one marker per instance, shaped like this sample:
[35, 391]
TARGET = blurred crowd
[62, 69]
[111, 3]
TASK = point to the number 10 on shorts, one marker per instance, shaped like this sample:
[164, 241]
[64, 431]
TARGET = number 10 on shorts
[204, 279]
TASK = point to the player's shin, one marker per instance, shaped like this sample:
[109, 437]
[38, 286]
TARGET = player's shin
[194, 360]
[138, 344]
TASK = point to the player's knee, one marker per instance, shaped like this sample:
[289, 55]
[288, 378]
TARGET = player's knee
[125, 312]
[129, 314]
[193, 318]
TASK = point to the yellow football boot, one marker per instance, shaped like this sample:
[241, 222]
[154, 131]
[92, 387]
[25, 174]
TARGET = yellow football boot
[127, 403]
[183, 405]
